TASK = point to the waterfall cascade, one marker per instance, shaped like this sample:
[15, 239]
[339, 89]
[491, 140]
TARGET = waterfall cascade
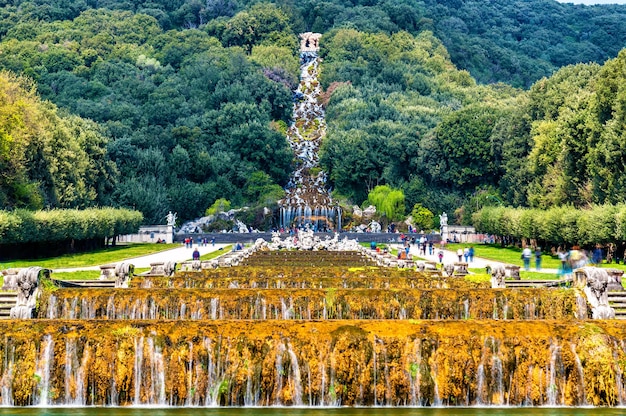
[303, 335]
[307, 202]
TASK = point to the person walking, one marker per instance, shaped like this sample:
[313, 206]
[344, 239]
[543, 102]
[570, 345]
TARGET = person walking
[471, 254]
[440, 254]
[538, 258]
[459, 253]
[597, 256]
[526, 255]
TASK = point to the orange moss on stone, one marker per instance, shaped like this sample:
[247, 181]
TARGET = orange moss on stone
[347, 362]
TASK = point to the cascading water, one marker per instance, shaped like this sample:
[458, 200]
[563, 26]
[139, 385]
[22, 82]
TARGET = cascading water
[43, 366]
[310, 336]
[307, 202]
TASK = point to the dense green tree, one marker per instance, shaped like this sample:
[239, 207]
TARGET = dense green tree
[466, 157]
[388, 201]
[423, 218]
[48, 159]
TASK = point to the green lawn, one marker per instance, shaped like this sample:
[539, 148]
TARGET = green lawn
[216, 253]
[512, 256]
[507, 255]
[92, 258]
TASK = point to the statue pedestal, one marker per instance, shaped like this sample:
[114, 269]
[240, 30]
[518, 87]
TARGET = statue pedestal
[169, 235]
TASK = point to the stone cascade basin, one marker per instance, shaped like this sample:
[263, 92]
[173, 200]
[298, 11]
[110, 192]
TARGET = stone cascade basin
[344, 335]
[304, 278]
[312, 363]
[304, 258]
[307, 304]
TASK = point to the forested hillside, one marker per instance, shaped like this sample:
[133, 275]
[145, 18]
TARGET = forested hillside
[172, 105]
[188, 121]
[512, 41]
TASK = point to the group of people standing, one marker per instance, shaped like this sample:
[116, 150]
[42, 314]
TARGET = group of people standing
[576, 258]
[528, 254]
[201, 242]
[467, 253]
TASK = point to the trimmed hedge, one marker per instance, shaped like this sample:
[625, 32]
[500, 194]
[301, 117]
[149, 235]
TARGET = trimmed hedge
[560, 225]
[22, 226]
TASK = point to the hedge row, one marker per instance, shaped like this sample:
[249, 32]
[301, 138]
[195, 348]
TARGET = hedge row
[22, 226]
[562, 225]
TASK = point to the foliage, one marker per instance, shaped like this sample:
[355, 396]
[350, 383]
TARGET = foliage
[565, 225]
[220, 205]
[48, 159]
[566, 149]
[23, 226]
[423, 218]
[171, 105]
[388, 201]
[402, 119]
[186, 120]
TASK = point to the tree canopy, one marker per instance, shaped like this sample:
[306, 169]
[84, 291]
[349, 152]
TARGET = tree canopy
[172, 105]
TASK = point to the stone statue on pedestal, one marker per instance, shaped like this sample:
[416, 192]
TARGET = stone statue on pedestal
[171, 218]
[443, 219]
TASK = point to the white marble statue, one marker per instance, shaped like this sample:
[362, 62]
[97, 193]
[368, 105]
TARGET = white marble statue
[171, 218]
[375, 227]
[443, 219]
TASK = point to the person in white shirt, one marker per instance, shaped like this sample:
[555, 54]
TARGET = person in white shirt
[526, 255]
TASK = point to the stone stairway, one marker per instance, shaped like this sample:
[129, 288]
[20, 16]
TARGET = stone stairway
[7, 301]
[617, 300]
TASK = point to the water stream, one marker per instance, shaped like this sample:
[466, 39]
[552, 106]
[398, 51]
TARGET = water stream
[308, 202]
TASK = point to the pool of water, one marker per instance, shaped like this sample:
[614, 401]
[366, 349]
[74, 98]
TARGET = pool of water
[150, 411]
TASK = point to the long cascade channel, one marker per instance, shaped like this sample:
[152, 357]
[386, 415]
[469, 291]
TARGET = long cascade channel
[308, 202]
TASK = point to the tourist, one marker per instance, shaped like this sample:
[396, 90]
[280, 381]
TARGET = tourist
[466, 254]
[471, 254]
[597, 256]
[538, 258]
[430, 248]
[440, 256]
[526, 255]
[576, 257]
[196, 254]
[562, 255]
[459, 253]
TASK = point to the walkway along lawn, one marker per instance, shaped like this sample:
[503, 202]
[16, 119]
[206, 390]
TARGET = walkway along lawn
[509, 255]
[95, 274]
[92, 258]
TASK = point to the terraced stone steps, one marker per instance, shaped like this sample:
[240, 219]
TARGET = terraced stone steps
[617, 300]
[403, 279]
[307, 304]
[7, 301]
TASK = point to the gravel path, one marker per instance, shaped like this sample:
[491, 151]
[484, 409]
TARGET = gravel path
[178, 255]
